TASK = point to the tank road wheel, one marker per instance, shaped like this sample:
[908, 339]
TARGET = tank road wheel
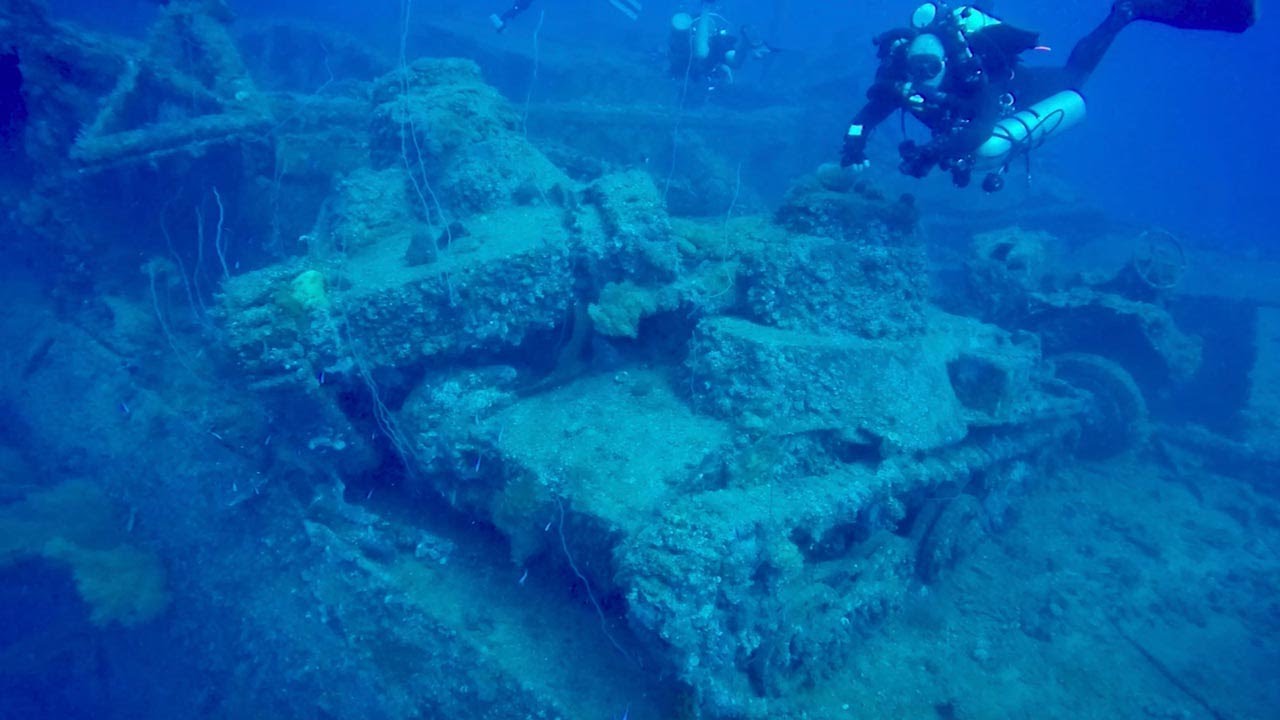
[958, 528]
[1117, 419]
[1159, 259]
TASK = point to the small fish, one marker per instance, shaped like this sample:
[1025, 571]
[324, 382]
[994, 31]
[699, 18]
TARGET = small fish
[523, 577]
[124, 408]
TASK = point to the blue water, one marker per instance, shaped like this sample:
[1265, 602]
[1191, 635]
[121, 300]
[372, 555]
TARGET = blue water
[361, 361]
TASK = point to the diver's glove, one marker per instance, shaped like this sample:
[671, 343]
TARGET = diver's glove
[854, 153]
[854, 159]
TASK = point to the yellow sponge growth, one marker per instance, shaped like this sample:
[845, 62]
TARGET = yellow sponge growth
[76, 524]
[123, 584]
[308, 291]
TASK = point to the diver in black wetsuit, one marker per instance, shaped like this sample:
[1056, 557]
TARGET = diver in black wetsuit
[517, 7]
[704, 47]
[958, 71]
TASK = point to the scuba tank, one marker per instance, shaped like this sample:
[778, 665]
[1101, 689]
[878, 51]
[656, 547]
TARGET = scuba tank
[971, 19]
[953, 26]
[1017, 135]
[680, 41]
[695, 33]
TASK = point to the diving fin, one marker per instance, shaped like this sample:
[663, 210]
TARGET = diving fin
[1226, 15]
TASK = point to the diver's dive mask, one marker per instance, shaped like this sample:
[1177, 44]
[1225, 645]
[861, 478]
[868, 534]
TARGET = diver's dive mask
[926, 61]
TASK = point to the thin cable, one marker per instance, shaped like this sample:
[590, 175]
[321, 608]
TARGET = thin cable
[533, 81]
[675, 131]
[564, 545]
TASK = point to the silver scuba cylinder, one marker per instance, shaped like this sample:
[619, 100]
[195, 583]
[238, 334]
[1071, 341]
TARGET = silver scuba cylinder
[696, 32]
[706, 25]
[1029, 129]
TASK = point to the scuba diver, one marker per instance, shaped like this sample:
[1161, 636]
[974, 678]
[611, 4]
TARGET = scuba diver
[500, 21]
[630, 8]
[703, 47]
[959, 72]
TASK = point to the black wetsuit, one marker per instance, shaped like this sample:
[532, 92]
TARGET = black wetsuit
[984, 81]
[1033, 84]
